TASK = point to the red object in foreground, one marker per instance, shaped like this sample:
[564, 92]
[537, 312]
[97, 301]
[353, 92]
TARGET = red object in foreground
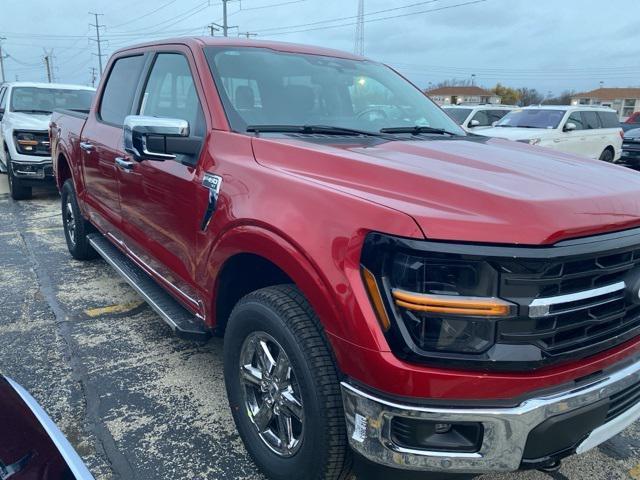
[501, 280]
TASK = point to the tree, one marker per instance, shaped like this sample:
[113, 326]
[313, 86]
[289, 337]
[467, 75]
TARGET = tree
[563, 99]
[530, 96]
[453, 82]
[510, 96]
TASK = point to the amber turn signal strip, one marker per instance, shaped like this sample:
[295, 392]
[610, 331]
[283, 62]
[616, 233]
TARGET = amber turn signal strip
[376, 299]
[476, 306]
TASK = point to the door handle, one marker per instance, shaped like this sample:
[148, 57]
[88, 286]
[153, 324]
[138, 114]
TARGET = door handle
[557, 140]
[86, 146]
[124, 164]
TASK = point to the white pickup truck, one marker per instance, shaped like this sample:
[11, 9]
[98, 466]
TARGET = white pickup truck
[25, 111]
[592, 132]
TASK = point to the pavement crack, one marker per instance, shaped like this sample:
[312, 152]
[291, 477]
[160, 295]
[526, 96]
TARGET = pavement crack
[118, 461]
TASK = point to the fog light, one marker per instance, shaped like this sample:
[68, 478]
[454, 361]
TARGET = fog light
[437, 436]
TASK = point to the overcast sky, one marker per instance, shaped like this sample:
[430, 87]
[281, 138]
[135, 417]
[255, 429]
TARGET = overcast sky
[550, 45]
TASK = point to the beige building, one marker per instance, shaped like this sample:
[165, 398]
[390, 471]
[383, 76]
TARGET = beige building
[462, 96]
[625, 101]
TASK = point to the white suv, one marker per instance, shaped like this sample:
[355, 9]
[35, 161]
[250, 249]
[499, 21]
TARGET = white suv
[592, 132]
[477, 117]
[25, 111]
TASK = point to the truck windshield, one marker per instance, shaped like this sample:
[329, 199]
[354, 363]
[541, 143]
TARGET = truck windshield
[459, 115]
[260, 86]
[44, 100]
[534, 118]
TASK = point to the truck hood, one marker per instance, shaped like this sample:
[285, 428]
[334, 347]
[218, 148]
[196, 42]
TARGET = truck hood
[474, 189]
[515, 133]
[29, 121]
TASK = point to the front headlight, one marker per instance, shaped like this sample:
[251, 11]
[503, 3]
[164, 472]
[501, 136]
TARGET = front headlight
[437, 302]
[31, 143]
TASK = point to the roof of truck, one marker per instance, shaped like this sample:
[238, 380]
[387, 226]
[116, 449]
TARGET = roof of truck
[63, 86]
[198, 42]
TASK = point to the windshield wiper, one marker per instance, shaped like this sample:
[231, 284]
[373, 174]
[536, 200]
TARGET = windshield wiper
[33, 111]
[311, 129]
[417, 130]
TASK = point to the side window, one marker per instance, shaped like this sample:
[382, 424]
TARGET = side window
[609, 120]
[171, 93]
[496, 115]
[483, 117]
[591, 120]
[120, 89]
[576, 118]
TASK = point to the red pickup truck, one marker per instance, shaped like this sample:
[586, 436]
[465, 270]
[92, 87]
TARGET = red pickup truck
[388, 286]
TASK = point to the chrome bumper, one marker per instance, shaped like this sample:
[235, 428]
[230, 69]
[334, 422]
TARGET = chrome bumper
[505, 429]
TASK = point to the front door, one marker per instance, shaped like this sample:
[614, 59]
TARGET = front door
[101, 142]
[158, 197]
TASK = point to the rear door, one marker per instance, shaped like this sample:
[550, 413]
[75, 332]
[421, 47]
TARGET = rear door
[101, 141]
[158, 198]
[595, 135]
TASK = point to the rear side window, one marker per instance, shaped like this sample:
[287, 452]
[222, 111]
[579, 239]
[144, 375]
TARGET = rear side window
[591, 120]
[120, 89]
[609, 119]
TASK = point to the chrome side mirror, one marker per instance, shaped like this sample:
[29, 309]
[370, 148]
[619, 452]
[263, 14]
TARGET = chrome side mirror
[474, 123]
[570, 127]
[145, 138]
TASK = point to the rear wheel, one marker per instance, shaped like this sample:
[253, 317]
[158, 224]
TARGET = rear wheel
[16, 189]
[76, 228]
[607, 155]
[283, 387]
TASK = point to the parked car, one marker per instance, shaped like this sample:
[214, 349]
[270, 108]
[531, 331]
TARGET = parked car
[631, 148]
[477, 117]
[389, 286]
[632, 122]
[591, 132]
[31, 445]
[25, 111]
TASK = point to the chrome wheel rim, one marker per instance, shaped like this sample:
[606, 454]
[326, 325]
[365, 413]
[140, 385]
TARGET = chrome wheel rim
[271, 394]
[70, 222]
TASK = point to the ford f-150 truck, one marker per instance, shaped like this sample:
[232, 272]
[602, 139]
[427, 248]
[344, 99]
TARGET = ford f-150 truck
[388, 286]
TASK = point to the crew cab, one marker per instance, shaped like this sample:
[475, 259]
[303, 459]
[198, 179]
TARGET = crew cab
[389, 287]
[25, 111]
[592, 132]
[477, 117]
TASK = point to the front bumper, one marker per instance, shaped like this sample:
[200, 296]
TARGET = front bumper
[506, 431]
[33, 170]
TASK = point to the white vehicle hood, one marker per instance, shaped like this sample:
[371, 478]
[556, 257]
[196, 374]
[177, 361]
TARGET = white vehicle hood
[28, 121]
[515, 133]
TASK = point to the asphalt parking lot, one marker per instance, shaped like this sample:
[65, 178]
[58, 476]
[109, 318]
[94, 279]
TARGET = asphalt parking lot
[135, 401]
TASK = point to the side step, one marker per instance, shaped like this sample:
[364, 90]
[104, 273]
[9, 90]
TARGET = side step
[182, 322]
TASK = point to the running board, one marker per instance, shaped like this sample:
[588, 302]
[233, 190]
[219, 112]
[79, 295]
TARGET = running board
[182, 322]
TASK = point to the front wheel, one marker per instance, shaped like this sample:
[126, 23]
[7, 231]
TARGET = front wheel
[16, 189]
[283, 387]
[76, 228]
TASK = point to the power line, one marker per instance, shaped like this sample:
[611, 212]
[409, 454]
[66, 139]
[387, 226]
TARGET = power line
[146, 14]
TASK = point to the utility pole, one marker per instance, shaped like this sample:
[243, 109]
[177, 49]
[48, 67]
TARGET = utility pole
[358, 47]
[247, 34]
[93, 76]
[97, 39]
[213, 28]
[2, 59]
[47, 63]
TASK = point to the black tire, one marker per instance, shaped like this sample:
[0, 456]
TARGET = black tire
[76, 227]
[607, 155]
[16, 189]
[283, 313]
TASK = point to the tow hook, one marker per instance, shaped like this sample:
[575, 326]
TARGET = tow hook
[551, 467]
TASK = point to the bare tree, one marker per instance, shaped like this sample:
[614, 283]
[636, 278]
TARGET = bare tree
[529, 96]
[563, 99]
